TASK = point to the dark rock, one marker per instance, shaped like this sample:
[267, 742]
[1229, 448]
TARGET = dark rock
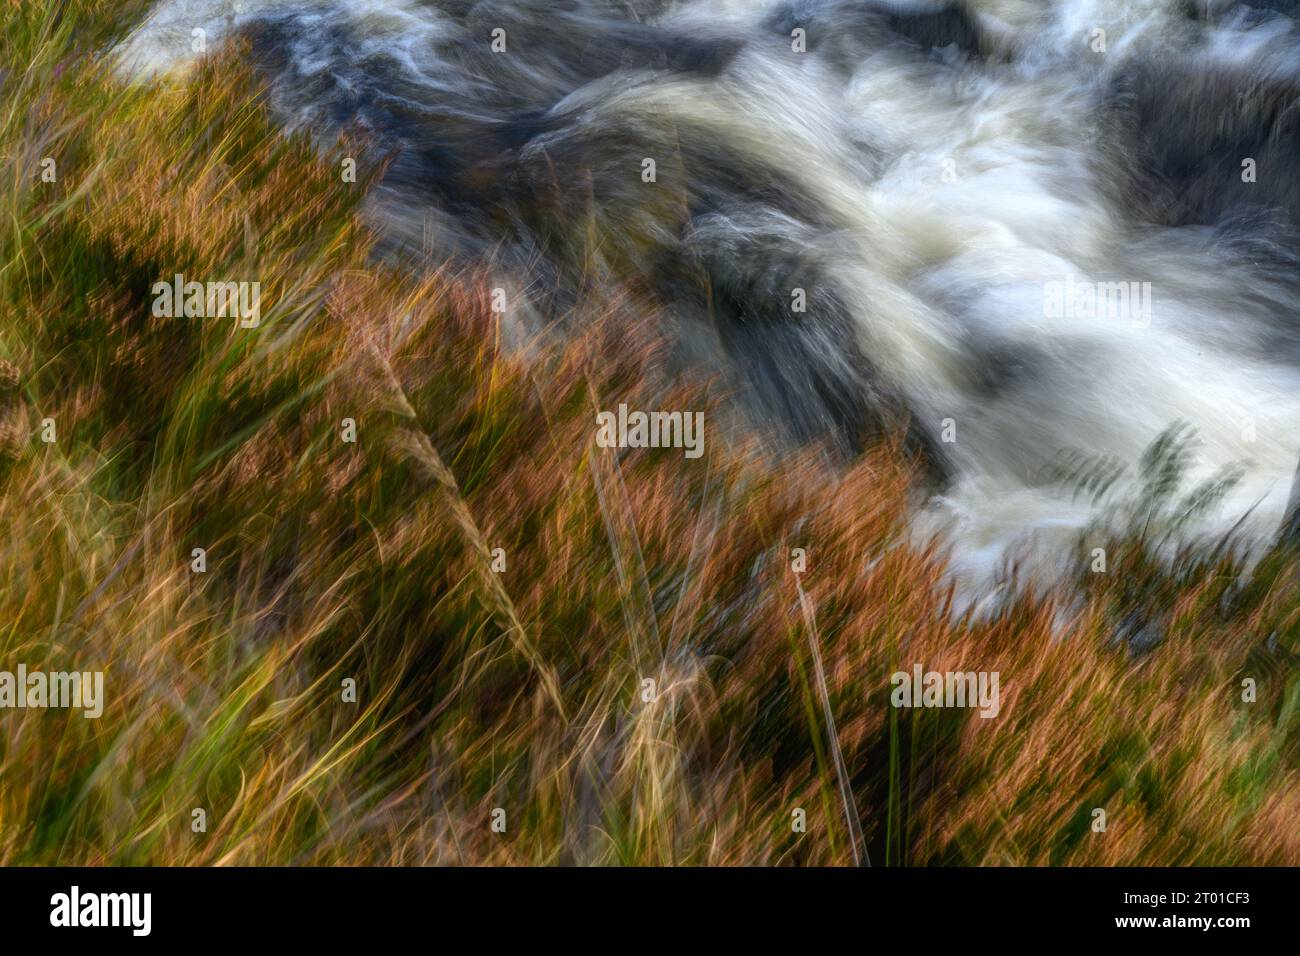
[1139, 632]
[931, 26]
[1208, 11]
[951, 24]
[1185, 130]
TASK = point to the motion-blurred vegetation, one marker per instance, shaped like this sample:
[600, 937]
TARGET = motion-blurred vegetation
[523, 689]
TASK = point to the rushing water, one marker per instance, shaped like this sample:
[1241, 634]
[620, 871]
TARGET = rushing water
[1021, 225]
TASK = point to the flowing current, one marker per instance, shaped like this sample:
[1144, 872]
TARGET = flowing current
[1019, 226]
